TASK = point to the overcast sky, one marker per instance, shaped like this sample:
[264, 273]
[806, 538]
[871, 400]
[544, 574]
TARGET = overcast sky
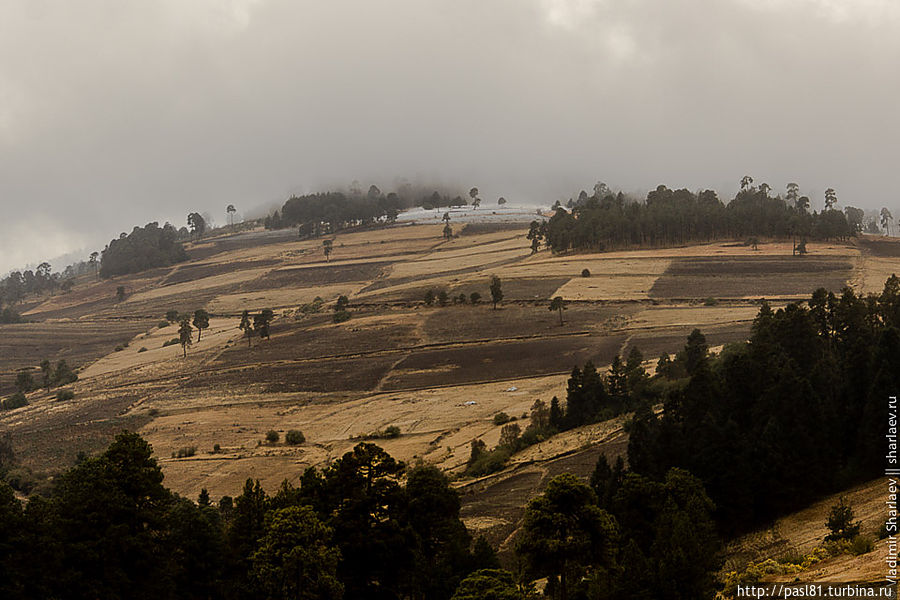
[118, 112]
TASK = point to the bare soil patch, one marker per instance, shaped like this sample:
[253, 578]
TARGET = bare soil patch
[78, 342]
[742, 277]
[194, 272]
[468, 323]
[502, 360]
[881, 247]
[321, 275]
[327, 375]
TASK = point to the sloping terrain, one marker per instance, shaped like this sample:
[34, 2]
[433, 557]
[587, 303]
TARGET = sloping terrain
[439, 373]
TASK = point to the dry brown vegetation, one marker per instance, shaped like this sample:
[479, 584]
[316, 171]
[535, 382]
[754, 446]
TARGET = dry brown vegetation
[437, 373]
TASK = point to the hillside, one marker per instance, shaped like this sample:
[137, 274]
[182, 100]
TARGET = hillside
[439, 373]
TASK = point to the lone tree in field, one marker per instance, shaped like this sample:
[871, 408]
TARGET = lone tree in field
[559, 305]
[261, 322]
[231, 210]
[246, 326]
[327, 246]
[501, 201]
[201, 321]
[120, 293]
[840, 522]
[185, 335]
[448, 232]
[496, 291]
[46, 373]
[473, 194]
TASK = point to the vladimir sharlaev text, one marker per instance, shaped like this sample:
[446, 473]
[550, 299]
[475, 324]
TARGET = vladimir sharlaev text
[893, 474]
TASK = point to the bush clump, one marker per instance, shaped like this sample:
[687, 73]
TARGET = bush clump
[172, 342]
[501, 418]
[585, 273]
[65, 395]
[17, 400]
[294, 437]
[185, 452]
[272, 436]
[142, 349]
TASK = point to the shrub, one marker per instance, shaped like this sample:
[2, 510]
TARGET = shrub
[861, 545]
[341, 316]
[501, 418]
[710, 301]
[186, 452]
[461, 299]
[216, 449]
[429, 297]
[474, 297]
[294, 437]
[119, 348]
[585, 273]
[272, 436]
[17, 400]
[312, 307]
[65, 395]
[63, 374]
[142, 349]
[443, 298]
[390, 432]
[171, 316]
[172, 342]
[162, 324]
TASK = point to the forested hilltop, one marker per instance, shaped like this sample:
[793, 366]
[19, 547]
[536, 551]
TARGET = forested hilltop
[607, 220]
[329, 212]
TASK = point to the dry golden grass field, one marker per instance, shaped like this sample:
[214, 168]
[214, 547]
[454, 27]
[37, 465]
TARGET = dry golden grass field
[439, 373]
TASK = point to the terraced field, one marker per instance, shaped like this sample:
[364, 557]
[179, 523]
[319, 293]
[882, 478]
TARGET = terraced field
[439, 373]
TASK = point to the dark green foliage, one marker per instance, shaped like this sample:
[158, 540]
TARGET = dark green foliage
[488, 584]
[272, 436]
[443, 298]
[474, 298]
[667, 217]
[341, 316]
[172, 315]
[17, 400]
[185, 335]
[65, 395]
[197, 224]
[172, 342]
[501, 418]
[63, 374]
[185, 452]
[793, 414]
[496, 290]
[142, 249]
[201, 321]
[294, 437]
[295, 559]
[585, 273]
[262, 321]
[840, 522]
[246, 326]
[565, 534]
[24, 380]
[429, 297]
[120, 293]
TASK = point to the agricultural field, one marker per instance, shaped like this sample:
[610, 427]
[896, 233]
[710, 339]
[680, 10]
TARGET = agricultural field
[438, 373]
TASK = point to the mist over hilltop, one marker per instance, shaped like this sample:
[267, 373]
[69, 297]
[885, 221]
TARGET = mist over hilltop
[118, 114]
